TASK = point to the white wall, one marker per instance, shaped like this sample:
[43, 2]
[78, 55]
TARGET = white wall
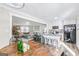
[57, 23]
[70, 21]
[77, 33]
[4, 28]
[66, 21]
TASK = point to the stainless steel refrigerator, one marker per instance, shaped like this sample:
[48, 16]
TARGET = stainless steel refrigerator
[70, 33]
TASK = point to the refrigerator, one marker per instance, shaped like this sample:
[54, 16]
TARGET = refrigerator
[70, 33]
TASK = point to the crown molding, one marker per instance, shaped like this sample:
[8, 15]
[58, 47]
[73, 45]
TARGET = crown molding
[14, 12]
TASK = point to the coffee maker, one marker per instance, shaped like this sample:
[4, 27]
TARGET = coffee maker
[70, 33]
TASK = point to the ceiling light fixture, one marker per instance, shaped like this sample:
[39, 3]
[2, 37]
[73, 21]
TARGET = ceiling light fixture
[55, 18]
[16, 5]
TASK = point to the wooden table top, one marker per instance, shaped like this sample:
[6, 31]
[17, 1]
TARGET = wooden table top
[36, 49]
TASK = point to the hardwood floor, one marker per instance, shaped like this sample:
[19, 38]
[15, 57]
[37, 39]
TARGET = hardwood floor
[10, 50]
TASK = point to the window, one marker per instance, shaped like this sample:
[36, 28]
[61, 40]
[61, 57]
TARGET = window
[24, 29]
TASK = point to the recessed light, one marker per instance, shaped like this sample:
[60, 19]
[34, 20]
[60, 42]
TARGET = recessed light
[55, 17]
